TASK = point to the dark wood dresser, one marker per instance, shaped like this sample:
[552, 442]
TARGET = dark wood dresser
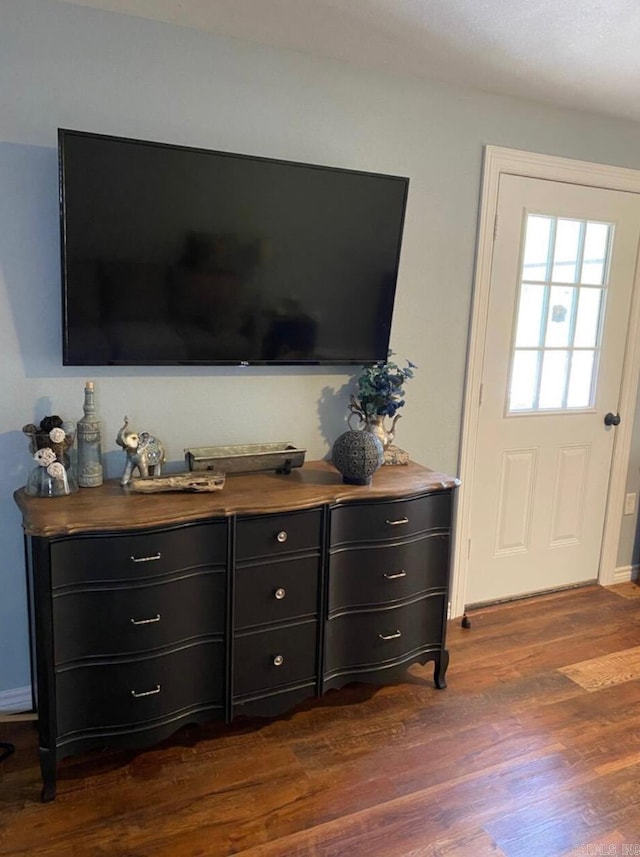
[149, 612]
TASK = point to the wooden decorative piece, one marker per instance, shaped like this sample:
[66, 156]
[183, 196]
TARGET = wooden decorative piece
[395, 455]
[190, 482]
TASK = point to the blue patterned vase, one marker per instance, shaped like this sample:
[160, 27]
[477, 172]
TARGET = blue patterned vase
[357, 455]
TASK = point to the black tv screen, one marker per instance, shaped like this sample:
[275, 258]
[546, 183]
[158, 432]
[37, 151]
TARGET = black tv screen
[180, 256]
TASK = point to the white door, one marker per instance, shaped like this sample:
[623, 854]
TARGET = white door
[562, 274]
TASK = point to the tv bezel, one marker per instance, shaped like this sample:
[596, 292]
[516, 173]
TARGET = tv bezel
[63, 133]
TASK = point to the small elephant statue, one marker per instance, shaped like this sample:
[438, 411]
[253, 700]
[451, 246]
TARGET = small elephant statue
[145, 453]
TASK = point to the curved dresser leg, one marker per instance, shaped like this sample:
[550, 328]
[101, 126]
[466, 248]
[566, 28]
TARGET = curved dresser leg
[442, 662]
[48, 769]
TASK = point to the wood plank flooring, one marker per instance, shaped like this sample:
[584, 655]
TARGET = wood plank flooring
[606, 670]
[525, 754]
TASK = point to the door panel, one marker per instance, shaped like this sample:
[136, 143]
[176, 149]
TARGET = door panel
[567, 516]
[515, 503]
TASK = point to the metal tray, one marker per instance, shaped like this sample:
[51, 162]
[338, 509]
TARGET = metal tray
[245, 458]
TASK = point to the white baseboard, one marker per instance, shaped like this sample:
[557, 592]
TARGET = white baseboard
[16, 699]
[625, 573]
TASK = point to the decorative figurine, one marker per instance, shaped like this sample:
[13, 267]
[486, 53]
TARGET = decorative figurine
[145, 453]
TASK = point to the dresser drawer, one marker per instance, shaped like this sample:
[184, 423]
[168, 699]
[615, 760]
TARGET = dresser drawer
[131, 693]
[396, 519]
[276, 591]
[275, 535]
[270, 659]
[369, 640]
[361, 577]
[135, 619]
[135, 556]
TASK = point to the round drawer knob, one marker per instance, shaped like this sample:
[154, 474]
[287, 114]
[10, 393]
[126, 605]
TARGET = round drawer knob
[280, 593]
[282, 536]
[278, 661]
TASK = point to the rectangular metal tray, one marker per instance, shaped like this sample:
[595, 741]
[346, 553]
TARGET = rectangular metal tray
[246, 458]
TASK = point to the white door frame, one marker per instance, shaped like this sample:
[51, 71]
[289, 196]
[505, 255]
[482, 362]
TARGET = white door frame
[498, 160]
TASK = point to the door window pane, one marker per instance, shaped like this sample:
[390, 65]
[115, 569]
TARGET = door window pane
[552, 382]
[536, 248]
[567, 251]
[560, 316]
[581, 379]
[523, 381]
[596, 251]
[588, 320]
[530, 310]
[559, 319]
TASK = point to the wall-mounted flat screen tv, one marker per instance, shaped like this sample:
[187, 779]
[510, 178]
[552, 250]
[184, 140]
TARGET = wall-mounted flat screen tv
[181, 256]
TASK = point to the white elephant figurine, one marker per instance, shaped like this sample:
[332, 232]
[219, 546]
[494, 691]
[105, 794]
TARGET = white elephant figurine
[145, 453]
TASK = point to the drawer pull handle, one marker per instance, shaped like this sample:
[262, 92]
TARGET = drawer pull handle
[156, 689]
[278, 661]
[395, 575]
[282, 536]
[390, 636]
[156, 618]
[146, 558]
[398, 523]
[280, 593]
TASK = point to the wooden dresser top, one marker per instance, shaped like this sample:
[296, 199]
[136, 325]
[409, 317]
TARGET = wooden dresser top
[111, 507]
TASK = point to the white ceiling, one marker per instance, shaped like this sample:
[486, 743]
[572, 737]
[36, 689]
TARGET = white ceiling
[576, 53]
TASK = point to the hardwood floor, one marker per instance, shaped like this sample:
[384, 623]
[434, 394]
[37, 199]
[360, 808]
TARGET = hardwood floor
[532, 751]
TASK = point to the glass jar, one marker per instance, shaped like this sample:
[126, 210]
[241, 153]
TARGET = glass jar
[51, 481]
[55, 472]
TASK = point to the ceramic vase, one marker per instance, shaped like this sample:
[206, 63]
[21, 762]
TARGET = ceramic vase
[357, 455]
[375, 424]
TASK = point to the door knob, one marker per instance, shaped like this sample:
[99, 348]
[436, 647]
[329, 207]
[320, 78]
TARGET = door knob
[612, 419]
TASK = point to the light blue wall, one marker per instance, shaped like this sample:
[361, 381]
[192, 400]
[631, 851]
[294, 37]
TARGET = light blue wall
[65, 66]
